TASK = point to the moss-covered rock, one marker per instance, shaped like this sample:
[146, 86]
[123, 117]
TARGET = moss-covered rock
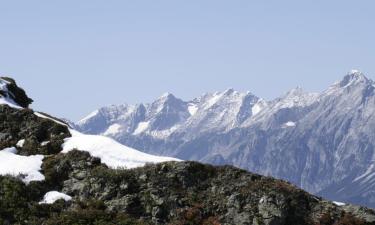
[187, 193]
[40, 135]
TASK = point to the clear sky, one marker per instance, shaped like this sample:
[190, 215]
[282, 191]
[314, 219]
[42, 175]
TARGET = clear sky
[75, 56]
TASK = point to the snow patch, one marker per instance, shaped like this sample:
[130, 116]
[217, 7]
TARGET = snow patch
[192, 108]
[44, 143]
[142, 126]
[84, 120]
[339, 203]
[49, 118]
[113, 129]
[354, 71]
[289, 124]
[9, 102]
[52, 196]
[20, 143]
[161, 134]
[111, 153]
[212, 101]
[16, 165]
[258, 107]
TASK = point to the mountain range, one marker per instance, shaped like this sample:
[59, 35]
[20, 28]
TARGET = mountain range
[322, 142]
[51, 174]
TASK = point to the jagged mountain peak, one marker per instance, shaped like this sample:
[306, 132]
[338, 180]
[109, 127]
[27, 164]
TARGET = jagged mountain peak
[296, 97]
[355, 73]
[354, 84]
[295, 91]
[354, 77]
[233, 92]
[165, 103]
[230, 91]
[229, 94]
[166, 96]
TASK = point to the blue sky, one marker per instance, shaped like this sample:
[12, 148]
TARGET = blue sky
[75, 56]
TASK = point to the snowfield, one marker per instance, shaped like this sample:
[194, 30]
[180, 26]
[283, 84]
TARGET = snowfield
[27, 166]
[111, 153]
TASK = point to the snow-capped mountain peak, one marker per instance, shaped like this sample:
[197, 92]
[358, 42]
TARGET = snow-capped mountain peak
[354, 77]
[230, 91]
[166, 97]
[165, 102]
[296, 97]
[354, 84]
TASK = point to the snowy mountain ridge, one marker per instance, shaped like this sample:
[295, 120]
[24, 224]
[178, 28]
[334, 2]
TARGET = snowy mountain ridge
[219, 111]
[168, 114]
[321, 142]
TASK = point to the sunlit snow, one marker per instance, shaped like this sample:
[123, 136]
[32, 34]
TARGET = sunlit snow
[20, 143]
[112, 153]
[258, 107]
[142, 126]
[113, 129]
[27, 166]
[192, 108]
[49, 118]
[88, 117]
[339, 203]
[290, 124]
[52, 196]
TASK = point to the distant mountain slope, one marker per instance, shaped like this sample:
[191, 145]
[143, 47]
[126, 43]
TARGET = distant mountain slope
[314, 140]
[53, 175]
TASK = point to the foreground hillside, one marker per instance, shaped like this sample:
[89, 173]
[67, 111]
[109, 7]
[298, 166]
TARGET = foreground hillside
[322, 142]
[48, 181]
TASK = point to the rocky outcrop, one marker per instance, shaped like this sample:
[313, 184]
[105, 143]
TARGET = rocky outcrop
[190, 193]
[17, 94]
[30, 133]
